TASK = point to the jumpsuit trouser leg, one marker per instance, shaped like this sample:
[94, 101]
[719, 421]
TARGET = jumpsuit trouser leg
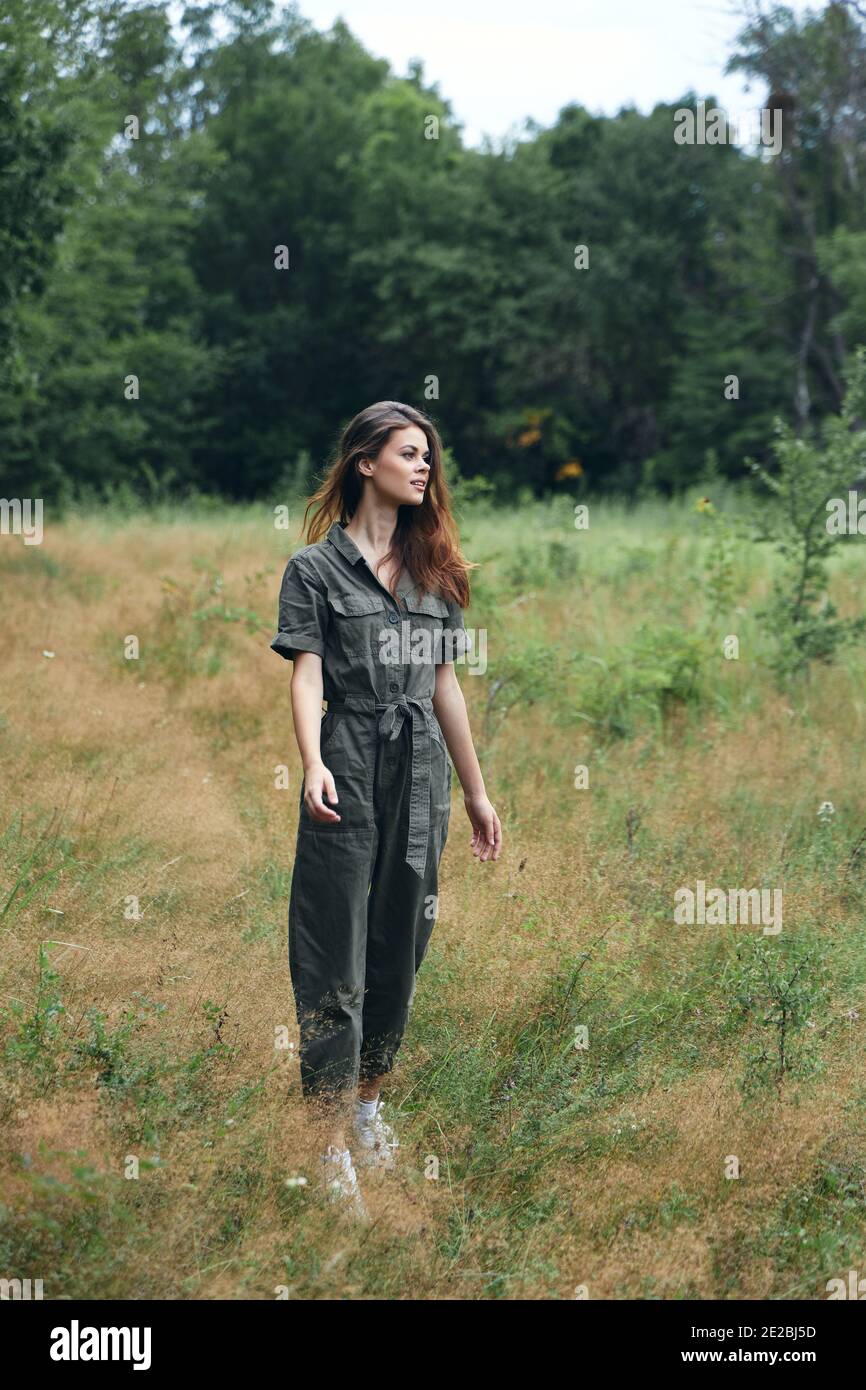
[401, 908]
[327, 951]
[360, 917]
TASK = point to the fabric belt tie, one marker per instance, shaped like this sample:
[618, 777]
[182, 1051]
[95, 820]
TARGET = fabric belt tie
[424, 729]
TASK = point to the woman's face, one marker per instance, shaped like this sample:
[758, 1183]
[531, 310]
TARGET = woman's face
[400, 473]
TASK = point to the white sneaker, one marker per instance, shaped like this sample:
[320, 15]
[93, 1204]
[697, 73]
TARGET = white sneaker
[341, 1181]
[376, 1143]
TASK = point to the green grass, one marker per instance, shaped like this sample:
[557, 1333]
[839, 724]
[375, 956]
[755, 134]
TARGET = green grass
[558, 1164]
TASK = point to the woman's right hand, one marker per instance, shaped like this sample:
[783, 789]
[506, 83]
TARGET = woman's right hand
[319, 783]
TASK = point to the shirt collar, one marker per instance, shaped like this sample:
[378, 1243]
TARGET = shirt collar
[346, 546]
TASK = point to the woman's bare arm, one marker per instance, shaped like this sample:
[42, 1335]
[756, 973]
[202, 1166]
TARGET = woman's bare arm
[307, 690]
[450, 709]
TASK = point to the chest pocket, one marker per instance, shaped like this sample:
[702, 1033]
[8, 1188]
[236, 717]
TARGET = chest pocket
[357, 621]
[427, 616]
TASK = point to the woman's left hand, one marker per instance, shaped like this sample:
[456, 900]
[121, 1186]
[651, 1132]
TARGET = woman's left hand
[486, 839]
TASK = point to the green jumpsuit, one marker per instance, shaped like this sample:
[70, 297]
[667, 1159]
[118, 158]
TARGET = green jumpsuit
[364, 889]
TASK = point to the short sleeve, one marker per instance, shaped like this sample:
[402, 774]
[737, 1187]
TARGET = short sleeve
[303, 613]
[455, 639]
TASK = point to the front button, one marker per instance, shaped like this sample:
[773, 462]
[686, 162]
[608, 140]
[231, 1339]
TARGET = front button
[393, 618]
[393, 686]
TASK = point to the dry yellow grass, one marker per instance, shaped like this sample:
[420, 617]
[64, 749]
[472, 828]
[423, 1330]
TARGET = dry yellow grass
[159, 774]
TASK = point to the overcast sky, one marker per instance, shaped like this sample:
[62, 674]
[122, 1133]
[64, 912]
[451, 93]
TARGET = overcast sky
[499, 61]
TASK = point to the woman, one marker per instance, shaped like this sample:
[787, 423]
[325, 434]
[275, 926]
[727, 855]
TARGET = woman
[371, 617]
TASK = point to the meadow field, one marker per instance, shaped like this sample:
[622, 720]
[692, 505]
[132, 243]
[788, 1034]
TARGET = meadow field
[593, 1099]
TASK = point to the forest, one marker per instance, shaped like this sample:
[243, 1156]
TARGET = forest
[223, 232]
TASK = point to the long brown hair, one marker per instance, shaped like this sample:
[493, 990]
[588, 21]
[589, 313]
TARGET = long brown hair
[425, 540]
